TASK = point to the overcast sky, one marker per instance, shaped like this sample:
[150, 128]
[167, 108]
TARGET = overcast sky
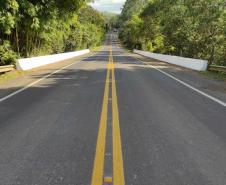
[108, 5]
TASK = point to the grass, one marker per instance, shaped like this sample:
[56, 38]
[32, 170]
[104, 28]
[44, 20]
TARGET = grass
[215, 75]
[96, 48]
[11, 75]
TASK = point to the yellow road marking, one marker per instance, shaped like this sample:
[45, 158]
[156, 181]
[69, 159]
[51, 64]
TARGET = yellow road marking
[108, 180]
[110, 66]
[98, 168]
[118, 170]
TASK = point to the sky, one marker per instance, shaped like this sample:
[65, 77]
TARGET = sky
[113, 6]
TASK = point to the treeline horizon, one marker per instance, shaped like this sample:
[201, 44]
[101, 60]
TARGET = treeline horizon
[195, 29]
[33, 27]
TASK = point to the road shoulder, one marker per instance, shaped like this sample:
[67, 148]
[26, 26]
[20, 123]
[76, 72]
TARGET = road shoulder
[211, 86]
[20, 79]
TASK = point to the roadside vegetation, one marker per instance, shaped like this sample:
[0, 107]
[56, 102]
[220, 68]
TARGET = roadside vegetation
[214, 75]
[111, 20]
[195, 29]
[33, 27]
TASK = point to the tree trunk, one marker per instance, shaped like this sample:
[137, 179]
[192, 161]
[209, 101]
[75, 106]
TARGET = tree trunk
[17, 41]
[211, 60]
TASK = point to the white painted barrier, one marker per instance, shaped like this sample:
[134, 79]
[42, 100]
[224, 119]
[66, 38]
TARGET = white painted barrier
[30, 63]
[195, 64]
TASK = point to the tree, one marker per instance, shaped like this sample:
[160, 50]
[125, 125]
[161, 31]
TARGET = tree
[34, 27]
[187, 28]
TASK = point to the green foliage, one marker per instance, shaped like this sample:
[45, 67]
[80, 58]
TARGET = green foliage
[187, 28]
[111, 20]
[34, 27]
[132, 7]
[93, 27]
[8, 10]
[7, 56]
[130, 33]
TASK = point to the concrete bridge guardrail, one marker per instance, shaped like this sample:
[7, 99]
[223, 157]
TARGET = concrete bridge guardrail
[34, 62]
[195, 64]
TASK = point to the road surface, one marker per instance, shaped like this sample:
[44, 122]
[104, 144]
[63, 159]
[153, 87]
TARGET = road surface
[113, 119]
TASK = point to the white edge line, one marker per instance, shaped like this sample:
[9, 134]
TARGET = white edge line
[41, 79]
[185, 84]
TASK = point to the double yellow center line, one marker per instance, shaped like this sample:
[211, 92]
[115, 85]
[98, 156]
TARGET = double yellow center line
[98, 169]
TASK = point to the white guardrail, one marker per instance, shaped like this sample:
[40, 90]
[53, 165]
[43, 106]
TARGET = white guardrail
[30, 63]
[195, 64]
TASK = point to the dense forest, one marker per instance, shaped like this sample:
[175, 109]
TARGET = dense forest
[38, 27]
[189, 28]
[111, 20]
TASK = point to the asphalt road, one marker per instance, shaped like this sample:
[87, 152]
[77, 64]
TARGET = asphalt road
[114, 118]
